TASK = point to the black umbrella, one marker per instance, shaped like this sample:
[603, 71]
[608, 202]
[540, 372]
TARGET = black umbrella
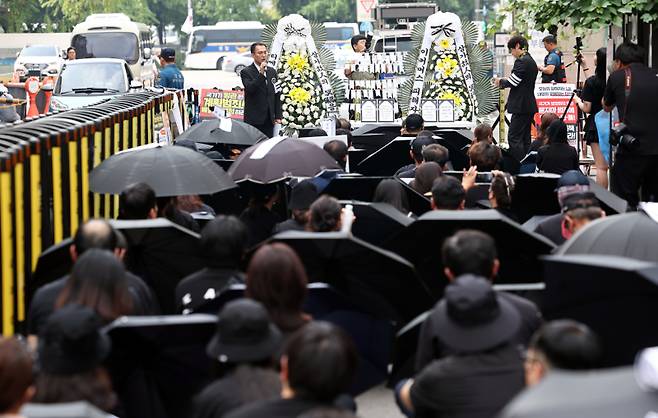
[53, 263]
[517, 248]
[280, 158]
[376, 222]
[610, 202]
[386, 160]
[162, 253]
[159, 363]
[534, 194]
[610, 393]
[209, 132]
[616, 296]
[170, 171]
[363, 188]
[79, 409]
[372, 336]
[631, 235]
[375, 280]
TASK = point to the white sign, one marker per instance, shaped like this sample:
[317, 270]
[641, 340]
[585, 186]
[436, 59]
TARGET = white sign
[429, 110]
[364, 10]
[446, 111]
[369, 111]
[386, 110]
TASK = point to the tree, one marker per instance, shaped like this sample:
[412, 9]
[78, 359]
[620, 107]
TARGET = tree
[27, 16]
[323, 11]
[167, 12]
[287, 7]
[213, 11]
[582, 15]
[75, 11]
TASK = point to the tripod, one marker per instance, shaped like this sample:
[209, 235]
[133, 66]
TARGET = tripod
[578, 62]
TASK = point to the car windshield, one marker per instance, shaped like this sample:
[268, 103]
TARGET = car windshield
[121, 45]
[106, 77]
[39, 51]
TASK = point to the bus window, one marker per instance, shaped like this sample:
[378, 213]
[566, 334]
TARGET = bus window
[223, 40]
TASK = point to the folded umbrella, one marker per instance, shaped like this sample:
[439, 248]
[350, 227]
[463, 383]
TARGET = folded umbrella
[375, 280]
[611, 393]
[231, 132]
[615, 296]
[159, 363]
[280, 158]
[630, 235]
[517, 248]
[170, 171]
[162, 253]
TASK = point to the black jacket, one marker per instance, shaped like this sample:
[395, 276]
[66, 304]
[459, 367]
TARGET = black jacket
[522, 86]
[261, 103]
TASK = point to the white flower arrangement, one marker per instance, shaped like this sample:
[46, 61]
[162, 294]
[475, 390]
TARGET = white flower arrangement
[447, 79]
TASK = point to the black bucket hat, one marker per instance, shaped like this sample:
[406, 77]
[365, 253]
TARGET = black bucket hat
[72, 341]
[244, 334]
[472, 317]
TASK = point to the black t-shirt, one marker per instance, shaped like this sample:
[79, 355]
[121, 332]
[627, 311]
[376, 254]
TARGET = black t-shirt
[279, 408]
[640, 113]
[204, 285]
[557, 158]
[593, 93]
[244, 386]
[469, 386]
[43, 302]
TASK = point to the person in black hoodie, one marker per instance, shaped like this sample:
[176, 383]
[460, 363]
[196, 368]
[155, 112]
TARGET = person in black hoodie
[557, 156]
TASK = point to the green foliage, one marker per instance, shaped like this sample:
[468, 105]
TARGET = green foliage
[334, 11]
[75, 11]
[213, 11]
[462, 8]
[287, 7]
[582, 15]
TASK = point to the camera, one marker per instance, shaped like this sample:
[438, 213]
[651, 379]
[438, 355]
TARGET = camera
[579, 43]
[619, 135]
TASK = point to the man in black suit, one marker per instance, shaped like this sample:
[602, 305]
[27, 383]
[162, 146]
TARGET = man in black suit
[521, 102]
[262, 102]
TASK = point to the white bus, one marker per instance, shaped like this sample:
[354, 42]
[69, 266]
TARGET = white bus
[114, 35]
[208, 46]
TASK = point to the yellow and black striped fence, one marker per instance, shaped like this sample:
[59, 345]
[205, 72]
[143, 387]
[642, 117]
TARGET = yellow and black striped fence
[44, 181]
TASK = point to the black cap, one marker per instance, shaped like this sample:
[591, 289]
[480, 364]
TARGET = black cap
[72, 342]
[167, 53]
[572, 178]
[244, 334]
[303, 195]
[414, 122]
[472, 317]
[420, 142]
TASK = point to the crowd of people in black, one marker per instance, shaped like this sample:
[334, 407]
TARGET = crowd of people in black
[477, 348]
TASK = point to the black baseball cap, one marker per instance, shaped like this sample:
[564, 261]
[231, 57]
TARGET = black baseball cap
[572, 178]
[167, 53]
[414, 122]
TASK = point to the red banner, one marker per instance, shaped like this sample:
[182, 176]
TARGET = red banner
[230, 100]
[553, 98]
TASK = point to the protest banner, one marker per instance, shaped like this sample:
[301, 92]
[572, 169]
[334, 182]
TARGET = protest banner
[232, 101]
[553, 98]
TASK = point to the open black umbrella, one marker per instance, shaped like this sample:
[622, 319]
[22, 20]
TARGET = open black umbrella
[375, 280]
[517, 248]
[376, 222]
[386, 160]
[534, 194]
[53, 263]
[159, 363]
[80, 409]
[631, 235]
[610, 202]
[610, 393]
[209, 132]
[162, 253]
[363, 188]
[616, 296]
[372, 336]
[280, 158]
[170, 171]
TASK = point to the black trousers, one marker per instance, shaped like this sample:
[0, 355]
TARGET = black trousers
[267, 128]
[632, 173]
[519, 134]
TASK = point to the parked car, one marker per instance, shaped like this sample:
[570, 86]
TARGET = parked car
[88, 81]
[47, 60]
[237, 62]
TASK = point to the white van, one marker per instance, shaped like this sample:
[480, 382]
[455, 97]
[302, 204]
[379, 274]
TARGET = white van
[114, 35]
[208, 46]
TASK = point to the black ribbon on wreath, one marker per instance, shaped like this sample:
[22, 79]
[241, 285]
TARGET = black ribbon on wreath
[291, 30]
[446, 29]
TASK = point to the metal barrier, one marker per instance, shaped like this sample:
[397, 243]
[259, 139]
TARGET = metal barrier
[44, 181]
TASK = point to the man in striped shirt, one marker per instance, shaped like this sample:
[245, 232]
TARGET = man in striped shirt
[521, 102]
